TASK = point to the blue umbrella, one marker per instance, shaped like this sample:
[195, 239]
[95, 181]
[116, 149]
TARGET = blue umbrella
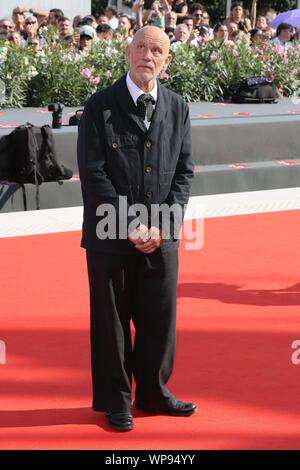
[291, 17]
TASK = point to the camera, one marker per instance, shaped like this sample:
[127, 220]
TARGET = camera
[56, 109]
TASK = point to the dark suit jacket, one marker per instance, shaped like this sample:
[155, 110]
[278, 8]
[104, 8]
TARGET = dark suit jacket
[117, 156]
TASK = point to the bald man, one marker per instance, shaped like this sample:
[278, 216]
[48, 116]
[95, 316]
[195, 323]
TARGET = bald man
[134, 156]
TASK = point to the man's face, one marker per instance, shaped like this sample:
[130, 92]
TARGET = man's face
[31, 24]
[102, 19]
[124, 23]
[171, 19]
[108, 13]
[64, 27]
[51, 18]
[147, 55]
[181, 33]
[197, 17]
[6, 27]
[205, 18]
[189, 23]
[18, 18]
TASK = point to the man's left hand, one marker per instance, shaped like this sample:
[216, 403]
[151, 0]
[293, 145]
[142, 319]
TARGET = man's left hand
[155, 238]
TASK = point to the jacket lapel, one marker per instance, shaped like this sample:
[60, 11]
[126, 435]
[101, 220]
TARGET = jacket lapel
[161, 108]
[126, 102]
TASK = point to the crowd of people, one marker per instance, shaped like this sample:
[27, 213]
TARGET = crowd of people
[185, 23]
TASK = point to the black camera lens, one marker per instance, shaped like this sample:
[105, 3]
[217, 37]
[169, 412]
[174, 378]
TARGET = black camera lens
[57, 109]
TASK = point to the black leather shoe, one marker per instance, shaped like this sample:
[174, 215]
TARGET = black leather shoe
[120, 421]
[177, 408]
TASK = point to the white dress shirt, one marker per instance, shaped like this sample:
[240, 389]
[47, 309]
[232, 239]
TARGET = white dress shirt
[135, 92]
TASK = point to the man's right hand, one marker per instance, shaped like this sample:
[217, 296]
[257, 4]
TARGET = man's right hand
[139, 235]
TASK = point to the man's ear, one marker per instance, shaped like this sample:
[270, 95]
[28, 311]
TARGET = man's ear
[167, 62]
[127, 53]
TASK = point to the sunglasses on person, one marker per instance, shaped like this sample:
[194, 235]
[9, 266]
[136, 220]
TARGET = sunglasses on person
[5, 26]
[31, 22]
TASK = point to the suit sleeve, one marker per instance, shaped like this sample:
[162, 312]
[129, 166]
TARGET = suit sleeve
[182, 180]
[91, 155]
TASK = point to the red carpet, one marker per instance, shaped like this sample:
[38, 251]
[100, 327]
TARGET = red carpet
[238, 314]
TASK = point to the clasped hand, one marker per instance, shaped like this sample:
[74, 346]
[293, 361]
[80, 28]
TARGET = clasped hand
[146, 240]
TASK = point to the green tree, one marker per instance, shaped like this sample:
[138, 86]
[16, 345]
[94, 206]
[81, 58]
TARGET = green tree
[98, 6]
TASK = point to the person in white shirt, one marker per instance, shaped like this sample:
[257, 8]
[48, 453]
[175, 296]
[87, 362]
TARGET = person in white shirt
[283, 39]
[111, 14]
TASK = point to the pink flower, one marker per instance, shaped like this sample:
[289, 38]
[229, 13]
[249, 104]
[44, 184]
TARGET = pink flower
[235, 53]
[164, 75]
[94, 80]
[86, 73]
[214, 57]
[285, 60]
[107, 74]
[277, 50]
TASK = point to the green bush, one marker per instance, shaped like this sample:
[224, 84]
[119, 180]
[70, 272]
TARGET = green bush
[209, 73]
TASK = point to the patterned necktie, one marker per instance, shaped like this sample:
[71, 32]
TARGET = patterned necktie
[145, 104]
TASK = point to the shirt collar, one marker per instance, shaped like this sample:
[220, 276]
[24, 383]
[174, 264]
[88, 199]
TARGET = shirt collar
[135, 91]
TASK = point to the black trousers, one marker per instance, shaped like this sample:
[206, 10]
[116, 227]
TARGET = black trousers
[141, 288]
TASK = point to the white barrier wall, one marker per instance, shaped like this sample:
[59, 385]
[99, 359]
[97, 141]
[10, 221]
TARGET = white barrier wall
[70, 8]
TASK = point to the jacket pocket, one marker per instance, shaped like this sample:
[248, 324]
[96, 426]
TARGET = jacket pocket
[118, 141]
[123, 159]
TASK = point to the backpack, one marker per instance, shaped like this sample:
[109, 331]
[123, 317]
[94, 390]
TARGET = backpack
[32, 157]
[258, 89]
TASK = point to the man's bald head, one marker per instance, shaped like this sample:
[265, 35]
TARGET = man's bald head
[147, 55]
[153, 32]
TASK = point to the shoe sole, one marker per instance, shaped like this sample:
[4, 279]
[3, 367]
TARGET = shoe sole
[117, 428]
[166, 412]
[188, 413]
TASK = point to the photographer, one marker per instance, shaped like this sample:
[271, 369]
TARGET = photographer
[64, 28]
[237, 17]
[153, 14]
[32, 34]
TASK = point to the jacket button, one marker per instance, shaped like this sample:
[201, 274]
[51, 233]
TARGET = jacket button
[115, 145]
[148, 169]
[147, 144]
[148, 194]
